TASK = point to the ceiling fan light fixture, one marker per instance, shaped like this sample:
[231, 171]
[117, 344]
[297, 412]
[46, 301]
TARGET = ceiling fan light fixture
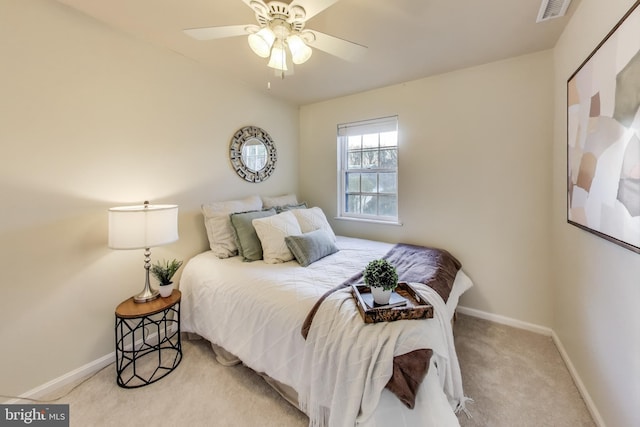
[278, 58]
[281, 32]
[300, 52]
[262, 41]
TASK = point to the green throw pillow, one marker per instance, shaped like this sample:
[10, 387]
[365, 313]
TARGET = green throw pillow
[309, 247]
[249, 247]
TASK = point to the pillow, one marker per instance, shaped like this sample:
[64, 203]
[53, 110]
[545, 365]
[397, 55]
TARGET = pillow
[309, 247]
[302, 205]
[218, 224]
[272, 202]
[247, 240]
[313, 219]
[271, 231]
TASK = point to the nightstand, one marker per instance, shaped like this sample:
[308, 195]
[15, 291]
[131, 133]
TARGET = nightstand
[148, 345]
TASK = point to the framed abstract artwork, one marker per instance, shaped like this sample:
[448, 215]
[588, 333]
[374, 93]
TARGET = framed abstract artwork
[603, 137]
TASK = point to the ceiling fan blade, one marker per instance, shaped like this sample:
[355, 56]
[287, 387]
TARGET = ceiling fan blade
[344, 49]
[211, 33]
[311, 7]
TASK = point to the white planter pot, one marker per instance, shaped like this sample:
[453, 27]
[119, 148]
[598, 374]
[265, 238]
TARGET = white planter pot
[166, 290]
[381, 296]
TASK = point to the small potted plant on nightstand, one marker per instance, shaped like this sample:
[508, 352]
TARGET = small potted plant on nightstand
[382, 279]
[164, 271]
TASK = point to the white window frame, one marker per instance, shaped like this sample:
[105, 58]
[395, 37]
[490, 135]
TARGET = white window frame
[366, 127]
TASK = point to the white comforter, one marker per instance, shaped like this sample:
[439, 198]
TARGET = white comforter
[255, 311]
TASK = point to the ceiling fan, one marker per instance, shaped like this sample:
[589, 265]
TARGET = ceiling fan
[281, 29]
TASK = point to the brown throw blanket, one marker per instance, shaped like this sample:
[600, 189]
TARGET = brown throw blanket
[435, 268]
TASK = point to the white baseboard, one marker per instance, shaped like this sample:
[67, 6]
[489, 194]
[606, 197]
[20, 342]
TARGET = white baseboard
[66, 379]
[503, 320]
[597, 418]
[591, 407]
[79, 374]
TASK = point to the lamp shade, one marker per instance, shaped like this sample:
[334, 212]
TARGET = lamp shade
[262, 41]
[278, 58]
[300, 52]
[144, 226]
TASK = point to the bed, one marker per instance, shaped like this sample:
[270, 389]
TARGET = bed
[337, 372]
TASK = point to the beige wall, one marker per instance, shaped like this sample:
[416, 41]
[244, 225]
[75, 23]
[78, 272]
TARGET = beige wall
[93, 118]
[474, 174]
[597, 283]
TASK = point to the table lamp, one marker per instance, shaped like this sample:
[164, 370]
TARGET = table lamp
[143, 227]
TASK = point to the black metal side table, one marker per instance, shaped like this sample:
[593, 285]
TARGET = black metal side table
[148, 345]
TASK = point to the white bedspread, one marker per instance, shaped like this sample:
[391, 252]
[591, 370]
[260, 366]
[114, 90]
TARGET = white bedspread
[255, 311]
[348, 363]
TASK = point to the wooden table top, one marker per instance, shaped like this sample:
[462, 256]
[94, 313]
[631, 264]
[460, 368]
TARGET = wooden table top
[129, 309]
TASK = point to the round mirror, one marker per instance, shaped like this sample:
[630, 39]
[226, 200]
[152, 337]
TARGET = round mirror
[253, 154]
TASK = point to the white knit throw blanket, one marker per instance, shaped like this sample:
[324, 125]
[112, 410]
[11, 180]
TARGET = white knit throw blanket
[347, 363]
[449, 371]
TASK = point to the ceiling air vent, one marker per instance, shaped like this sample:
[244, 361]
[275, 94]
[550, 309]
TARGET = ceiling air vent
[550, 9]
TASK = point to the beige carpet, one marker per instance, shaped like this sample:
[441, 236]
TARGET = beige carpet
[516, 378]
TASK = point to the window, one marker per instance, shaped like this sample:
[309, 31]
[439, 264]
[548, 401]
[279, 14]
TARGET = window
[368, 168]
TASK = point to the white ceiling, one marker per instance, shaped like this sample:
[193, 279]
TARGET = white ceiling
[406, 39]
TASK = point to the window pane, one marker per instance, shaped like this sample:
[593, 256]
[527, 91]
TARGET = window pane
[355, 159]
[388, 205]
[370, 140]
[387, 183]
[353, 183]
[389, 158]
[370, 159]
[369, 205]
[369, 182]
[389, 139]
[354, 142]
[353, 203]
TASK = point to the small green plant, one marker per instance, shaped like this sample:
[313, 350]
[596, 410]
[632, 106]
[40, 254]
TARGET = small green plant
[164, 270]
[380, 273]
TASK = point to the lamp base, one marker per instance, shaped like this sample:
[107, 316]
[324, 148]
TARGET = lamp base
[146, 295]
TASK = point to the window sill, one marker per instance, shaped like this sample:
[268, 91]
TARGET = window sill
[372, 221]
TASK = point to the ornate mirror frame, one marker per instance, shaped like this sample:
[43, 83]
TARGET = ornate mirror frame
[244, 137]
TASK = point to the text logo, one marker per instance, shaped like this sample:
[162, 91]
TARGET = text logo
[34, 415]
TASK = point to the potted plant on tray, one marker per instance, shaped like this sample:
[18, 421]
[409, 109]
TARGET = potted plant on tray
[382, 278]
[164, 271]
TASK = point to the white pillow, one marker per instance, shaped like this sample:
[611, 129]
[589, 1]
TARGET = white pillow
[285, 200]
[313, 219]
[271, 231]
[222, 239]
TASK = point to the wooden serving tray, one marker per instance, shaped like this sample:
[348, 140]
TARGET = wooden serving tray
[416, 308]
